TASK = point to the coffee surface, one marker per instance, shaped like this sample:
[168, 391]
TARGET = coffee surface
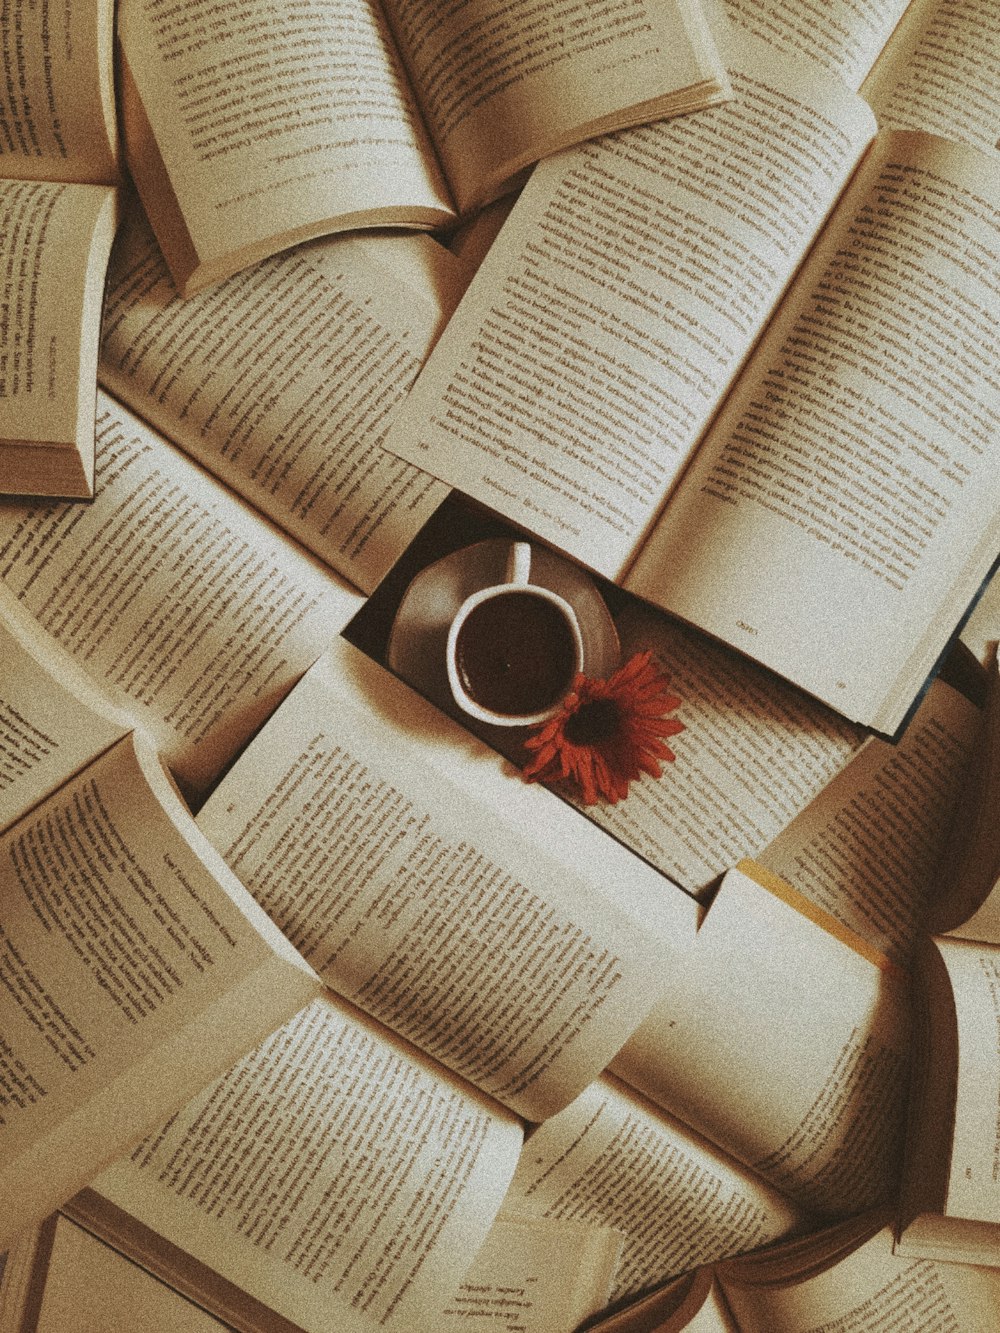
[516, 653]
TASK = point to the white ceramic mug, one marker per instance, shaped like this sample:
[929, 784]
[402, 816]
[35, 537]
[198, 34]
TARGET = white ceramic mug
[513, 649]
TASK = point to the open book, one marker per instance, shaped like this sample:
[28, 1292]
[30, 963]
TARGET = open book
[357, 1160]
[58, 164]
[801, 467]
[534, 1277]
[763, 771]
[950, 1207]
[730, 1147]
[766, 1090]
[871, 848]
[844, 1277]
[281, 380]
[921, 64]
[754, 753]
[182, 607]
[135, 964]
[270, 126]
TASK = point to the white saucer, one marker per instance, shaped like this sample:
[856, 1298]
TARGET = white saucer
[416, 646]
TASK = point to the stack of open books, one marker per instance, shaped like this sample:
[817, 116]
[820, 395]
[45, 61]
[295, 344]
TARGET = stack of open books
[314, 1015]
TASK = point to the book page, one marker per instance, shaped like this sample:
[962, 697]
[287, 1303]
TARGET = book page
[281, 381]
[868, 848]
[871, 1282]
[534, 1275]
[417, 728]
[973, 1179]
[844, 37]
[613, 1159]
[753, 753]
[784, 1045]
[57, 115]
[52, 719]
[440, 918]
[54, 247]
[849, 484]
[941, 73]
[628, 284]
[125, 943]
[261, 135]
[332, 1175]
[185, 607]
[504, 85]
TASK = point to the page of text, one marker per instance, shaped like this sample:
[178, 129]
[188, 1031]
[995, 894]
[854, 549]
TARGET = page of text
[844, 37]
[628, 284]
[120, 947]
[868, 848]
[52, 720]
[184, 606]
[611, 1158]
[57, 109]
[502, 86]
[261, 127]
[850, 483]
[281, 381]
[941, 73]
[54, 246]
[331, 1174]
[425, 910]
[753, 753]
[784, 1046]
[534, 1275]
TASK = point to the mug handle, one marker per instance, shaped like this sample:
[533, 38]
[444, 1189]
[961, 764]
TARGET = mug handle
[518, 564]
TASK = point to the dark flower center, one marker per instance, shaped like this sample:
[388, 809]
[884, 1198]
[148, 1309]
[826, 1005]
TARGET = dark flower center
[594, 722]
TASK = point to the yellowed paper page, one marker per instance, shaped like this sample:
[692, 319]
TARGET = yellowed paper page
[612, 1159]
[630, 281]
[188, 609]
[126, 944]
[754, 752]
[289, 149]
[504, 85]
[52, 719]
[850, 485]
[534, 1275]
[332, 1174]
[871, 1282]
[58, 118]
[417, 728]
[435, 914]
[941, 73]
[868, 848]
[281, 382]
[973, 1184]
[844, 37]
[783, 1045]
[54, 247]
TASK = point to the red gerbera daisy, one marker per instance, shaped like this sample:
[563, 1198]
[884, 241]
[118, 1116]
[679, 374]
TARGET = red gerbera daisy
[607, 732]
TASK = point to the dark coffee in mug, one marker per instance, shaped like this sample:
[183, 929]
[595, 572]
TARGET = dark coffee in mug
[516, 653]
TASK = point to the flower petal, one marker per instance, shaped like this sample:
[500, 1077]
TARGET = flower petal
[623, 732]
